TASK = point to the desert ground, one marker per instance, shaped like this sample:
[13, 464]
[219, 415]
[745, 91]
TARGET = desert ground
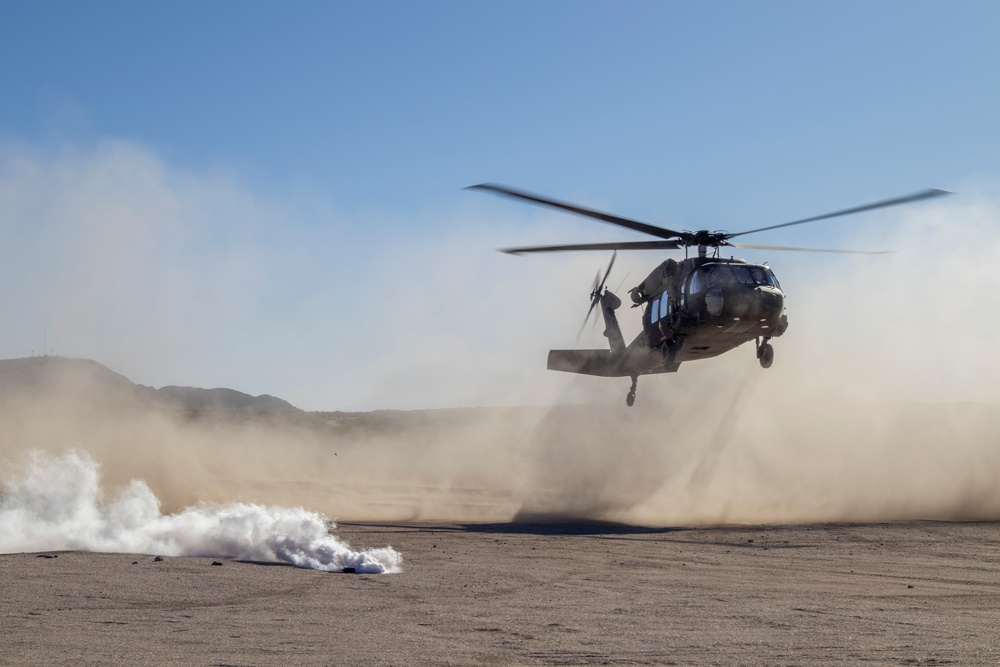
[734, 525]
[915, 593]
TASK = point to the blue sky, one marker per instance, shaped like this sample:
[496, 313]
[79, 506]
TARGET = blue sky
[278, 173]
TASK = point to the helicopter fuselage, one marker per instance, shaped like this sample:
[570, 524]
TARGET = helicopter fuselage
[705, 306]
[694, 309]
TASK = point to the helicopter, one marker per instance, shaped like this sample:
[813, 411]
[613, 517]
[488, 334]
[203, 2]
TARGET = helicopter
[696, 308]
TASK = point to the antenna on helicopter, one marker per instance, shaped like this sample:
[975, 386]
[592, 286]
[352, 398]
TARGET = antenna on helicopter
[622, 282]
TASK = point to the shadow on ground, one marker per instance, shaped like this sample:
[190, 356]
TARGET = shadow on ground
[532, 524]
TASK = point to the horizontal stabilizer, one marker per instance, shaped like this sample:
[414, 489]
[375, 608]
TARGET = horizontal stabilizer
[586, 362]
[604, 363]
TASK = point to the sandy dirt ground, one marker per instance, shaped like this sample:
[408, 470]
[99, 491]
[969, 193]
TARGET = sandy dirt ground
[915, 593]
[868, 532]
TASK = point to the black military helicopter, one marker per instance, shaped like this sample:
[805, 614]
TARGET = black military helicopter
[697, 308]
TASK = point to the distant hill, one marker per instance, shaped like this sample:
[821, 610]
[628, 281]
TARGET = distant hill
[221, 399]
[40, 377]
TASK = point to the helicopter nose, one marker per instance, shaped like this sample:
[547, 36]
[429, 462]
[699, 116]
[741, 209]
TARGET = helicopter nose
[770, 303]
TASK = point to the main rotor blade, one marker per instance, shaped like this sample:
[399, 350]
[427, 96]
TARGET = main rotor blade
[786, 248]
[923, 194]
[643, 227]
[630, 245]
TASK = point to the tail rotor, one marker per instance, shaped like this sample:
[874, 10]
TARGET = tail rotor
[595, 293]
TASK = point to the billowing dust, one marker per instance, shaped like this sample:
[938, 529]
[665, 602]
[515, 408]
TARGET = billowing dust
[731, 447]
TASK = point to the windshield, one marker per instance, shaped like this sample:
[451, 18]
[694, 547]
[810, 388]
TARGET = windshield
[763, 276]
[721, 274]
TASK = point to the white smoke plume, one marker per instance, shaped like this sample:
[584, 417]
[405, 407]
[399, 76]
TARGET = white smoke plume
[57, 503]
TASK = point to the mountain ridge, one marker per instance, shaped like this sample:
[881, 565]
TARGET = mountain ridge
[39, 377]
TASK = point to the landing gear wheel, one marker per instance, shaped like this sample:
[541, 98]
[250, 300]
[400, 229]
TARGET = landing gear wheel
[630, 399]
[766, 355]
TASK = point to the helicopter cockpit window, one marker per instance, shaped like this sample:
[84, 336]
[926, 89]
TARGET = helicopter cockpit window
[716, 274]
[723, 274]
[654, 309]
[744, 275]
[664, 306]
[695, 285]
[764, 276]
